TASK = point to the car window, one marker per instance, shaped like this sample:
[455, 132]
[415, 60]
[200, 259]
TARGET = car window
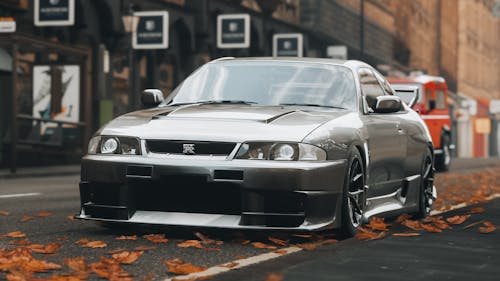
[271, 83]
[370, 87]
[440, 99]
[428, 98]
[385, 85]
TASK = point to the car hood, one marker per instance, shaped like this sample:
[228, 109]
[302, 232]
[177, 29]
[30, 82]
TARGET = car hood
[221, 122]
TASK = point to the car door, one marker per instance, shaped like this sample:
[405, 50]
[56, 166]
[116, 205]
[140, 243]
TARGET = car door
[386, 140]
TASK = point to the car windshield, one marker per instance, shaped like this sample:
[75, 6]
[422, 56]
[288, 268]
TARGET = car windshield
[269, 83]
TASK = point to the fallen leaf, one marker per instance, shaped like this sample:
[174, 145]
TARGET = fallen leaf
[487, 228]
[195, 244]
[71, 217]
[457, 219]
[329, 241]
[44, 214]
[278, 241]
[240, 257]
[110, 269]
[82, 241]
[477, 210]
[306, 236]
[48, 249]
[274, 277]
[207, 240]
[15, 234]
[377, 223]
[149, 277]
[26, 218]
[79, 267]
[124, 237]
[156, 238]
[406, 234]
[144, 248]
[307, 246]
[415, 225]
[179, 266]
[370, 235]
[431, 228]
[245, 242]
[4, 213]
[280, 252]
[127, 257]
[473, 224]
[230, 264]
[261, 245]
[442, 224]
[403, 217]
[95, 244]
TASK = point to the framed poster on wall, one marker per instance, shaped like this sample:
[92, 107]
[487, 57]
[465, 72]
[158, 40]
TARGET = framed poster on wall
[54, 12]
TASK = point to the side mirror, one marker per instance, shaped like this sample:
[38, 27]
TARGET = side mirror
[151, 97]
[388, 104]
[408, 93]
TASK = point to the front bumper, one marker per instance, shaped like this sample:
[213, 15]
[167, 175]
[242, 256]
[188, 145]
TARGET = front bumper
[212, 193]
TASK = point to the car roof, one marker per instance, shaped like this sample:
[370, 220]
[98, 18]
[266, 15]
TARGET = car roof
[353, 64]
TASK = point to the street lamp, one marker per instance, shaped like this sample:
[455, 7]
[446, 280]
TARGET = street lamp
[130, 22]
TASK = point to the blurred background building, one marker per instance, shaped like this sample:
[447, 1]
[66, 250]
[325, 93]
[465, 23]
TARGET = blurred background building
[60, 83]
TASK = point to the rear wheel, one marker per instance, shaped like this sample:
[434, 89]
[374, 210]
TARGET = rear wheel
[354, 196]
[426, 196]
[443, 160]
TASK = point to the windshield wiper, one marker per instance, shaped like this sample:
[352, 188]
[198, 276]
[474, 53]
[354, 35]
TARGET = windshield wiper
[311, 104]
[216, 102]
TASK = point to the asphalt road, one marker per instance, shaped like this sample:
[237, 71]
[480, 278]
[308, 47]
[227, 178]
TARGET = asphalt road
[454, 255]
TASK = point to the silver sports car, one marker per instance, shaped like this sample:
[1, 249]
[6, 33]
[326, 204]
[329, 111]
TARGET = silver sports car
[263, 143]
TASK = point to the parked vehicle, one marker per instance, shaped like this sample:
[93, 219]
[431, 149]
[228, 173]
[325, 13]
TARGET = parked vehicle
[433, 107]
[263, 143]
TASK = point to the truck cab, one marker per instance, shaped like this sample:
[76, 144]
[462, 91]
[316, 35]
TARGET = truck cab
[433, 107]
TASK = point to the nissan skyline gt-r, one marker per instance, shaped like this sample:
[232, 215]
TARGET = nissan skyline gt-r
[263, 143]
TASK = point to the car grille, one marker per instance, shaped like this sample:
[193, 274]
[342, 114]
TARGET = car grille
[199, 148]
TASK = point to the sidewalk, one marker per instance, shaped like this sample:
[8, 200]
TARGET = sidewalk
[40, 171]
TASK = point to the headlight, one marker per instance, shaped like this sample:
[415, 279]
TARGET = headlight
[114, 145]
[280, 152]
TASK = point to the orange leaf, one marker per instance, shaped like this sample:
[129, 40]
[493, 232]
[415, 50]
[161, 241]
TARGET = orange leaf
[149, 277]
[124, 237]
[280, 252]
[402, 218]
[156, 238]
[230, 264]
[240, 257]
[44, 214]
[207, 240]
[261, 245]
[179, 266]
[15, 234]
[406, 234]
[377, 223]
[431, 228]
[244, 242]
[329, 241]
[4, 213]
[307, 246]
[82, 241]
[278, 241]
[144, 248]
[21, 242]
[369, 235]
[127, 257]
[26, 218]
[71, 218]
[274, 277]
[195, 244]
[442, 224]
[477, 210]
[488, 227]
[41, 249]
[110, 269]
[457, 219]
[415, 225]
[95, 244]
[306, 236]
[79, 267]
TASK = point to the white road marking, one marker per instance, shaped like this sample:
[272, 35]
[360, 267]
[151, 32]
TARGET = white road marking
[241, 263]
[19, 195]
[218, 269]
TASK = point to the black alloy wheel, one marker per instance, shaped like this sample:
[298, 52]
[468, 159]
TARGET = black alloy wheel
[426, 197]
[354, 196]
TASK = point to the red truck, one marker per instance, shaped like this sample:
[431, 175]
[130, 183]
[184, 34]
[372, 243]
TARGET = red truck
[433, 107]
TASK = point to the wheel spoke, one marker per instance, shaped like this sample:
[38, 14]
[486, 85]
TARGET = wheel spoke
[356, 178]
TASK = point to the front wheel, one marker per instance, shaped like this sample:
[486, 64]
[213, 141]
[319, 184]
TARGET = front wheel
[426, 194]
[354, 195]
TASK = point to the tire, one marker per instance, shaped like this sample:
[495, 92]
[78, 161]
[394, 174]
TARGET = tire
[425, 198]
[443, 160]
[353, 195]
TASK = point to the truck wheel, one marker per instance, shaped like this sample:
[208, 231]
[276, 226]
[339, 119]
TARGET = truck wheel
[443, 160]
